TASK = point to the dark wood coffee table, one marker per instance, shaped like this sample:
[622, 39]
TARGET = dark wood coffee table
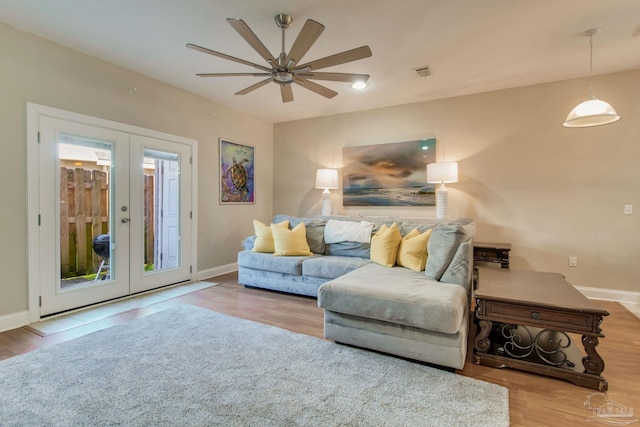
[524, 318]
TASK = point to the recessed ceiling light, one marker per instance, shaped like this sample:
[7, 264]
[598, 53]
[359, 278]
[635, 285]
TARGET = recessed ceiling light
[359, 85]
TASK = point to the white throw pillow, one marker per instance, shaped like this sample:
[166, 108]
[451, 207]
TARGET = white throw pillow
[347, 231]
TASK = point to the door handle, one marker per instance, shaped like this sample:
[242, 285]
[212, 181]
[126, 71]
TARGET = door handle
[125, 220]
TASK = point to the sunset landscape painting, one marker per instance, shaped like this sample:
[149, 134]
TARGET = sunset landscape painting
[392, 174]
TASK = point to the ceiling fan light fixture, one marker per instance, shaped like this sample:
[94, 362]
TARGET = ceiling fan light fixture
[359, 85]
[283, 77]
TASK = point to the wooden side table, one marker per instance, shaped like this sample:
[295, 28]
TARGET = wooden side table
[524, 318]
[492, 252]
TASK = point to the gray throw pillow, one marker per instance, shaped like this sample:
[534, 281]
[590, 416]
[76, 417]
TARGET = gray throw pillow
[407, 227]
[443, 244]
[459, 270]
[314, 227]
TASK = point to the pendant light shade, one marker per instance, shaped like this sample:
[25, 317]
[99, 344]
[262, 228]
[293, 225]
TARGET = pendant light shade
[593, 112]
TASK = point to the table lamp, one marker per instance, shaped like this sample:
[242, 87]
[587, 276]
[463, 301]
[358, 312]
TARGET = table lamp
[327, 179]
[442, 173]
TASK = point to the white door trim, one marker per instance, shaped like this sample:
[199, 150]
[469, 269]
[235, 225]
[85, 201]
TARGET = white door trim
[34, 111]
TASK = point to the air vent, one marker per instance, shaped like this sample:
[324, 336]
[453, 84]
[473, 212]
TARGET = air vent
[423, 71]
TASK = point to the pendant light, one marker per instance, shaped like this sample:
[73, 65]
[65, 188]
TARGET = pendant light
[592, 112]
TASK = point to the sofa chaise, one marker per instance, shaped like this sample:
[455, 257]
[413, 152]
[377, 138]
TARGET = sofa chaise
[421, 315]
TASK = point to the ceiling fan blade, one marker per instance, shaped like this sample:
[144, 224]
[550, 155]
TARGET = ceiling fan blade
[307, 37]
[254, 87]
[335, 77]
[225, 56]
[245, 32]
[232, 74]
[286, 92]
[314, 87]
[337, 59]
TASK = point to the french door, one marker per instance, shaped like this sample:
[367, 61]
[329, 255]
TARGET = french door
[114, 213]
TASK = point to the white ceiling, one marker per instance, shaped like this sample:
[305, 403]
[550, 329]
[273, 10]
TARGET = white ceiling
[471, 46]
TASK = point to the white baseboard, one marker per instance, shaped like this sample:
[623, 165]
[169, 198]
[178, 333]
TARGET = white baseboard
[610, 295]
[14, 320]
[217, 271]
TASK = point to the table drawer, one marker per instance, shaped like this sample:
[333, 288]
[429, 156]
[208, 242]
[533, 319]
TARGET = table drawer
[548, 318]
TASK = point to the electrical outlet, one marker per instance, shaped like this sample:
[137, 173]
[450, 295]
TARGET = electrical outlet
[628, 209]
[242, 243]
[573, 261]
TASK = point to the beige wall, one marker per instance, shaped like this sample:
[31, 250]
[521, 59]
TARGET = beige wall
[38, 71]
[551, 192]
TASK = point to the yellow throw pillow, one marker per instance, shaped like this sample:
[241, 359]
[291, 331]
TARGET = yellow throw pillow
[290, 242]
[384, 245]
[264, 237]
[413, 250]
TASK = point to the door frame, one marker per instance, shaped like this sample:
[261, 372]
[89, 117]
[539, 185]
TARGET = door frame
[33, 113]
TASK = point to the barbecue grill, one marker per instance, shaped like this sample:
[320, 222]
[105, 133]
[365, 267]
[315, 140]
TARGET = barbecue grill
[102, 248]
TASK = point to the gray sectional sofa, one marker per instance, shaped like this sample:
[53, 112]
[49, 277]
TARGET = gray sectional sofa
[418, 315]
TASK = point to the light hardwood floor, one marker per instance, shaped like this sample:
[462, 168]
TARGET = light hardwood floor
[534, 400]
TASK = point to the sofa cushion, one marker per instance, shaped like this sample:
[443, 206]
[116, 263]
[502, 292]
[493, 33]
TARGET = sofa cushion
[314, 228]
[384, 245]
[396, 295]
[412, 252]
[443, 244]
[408, 226]
[361, 250]
[290, 242]
[268, 262]
[330, 267]
[247, 244]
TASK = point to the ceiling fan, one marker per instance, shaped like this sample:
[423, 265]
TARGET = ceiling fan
[286, 69]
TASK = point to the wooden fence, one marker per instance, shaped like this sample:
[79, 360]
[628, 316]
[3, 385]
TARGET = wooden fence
[84, 214]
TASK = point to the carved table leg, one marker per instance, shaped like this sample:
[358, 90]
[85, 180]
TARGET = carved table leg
[482, 343]
[593, 363]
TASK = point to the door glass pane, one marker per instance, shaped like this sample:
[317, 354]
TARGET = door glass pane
[161, 210]
[84, 211]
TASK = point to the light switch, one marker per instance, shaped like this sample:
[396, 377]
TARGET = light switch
[628, 209]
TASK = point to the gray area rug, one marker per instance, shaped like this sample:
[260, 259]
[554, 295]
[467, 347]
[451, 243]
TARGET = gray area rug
[193, 367]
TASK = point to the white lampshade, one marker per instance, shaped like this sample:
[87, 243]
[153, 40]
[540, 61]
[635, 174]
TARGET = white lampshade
[327, 179]
[593, 112]
[442, 172]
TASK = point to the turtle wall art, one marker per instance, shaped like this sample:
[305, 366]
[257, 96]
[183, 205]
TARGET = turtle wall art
[236, 173]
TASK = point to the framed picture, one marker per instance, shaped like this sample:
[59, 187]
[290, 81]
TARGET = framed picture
[237, 173]
[392, 174]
